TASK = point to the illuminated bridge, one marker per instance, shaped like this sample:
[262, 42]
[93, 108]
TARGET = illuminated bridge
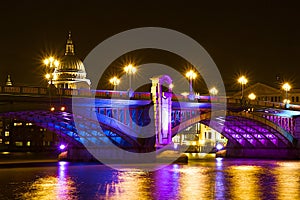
[253, 129]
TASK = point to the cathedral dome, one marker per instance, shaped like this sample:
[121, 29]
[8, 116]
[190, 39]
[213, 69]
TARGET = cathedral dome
[70, 63]
[71, 72]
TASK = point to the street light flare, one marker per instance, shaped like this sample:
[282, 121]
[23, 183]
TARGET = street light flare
[46, 61]
[114, 80]
[191, 74]
[213, 91]
[51, 59]
[286, 86]
[130, 69]
[243, 80]
[56, 63]
[47, 76]
[252, 96]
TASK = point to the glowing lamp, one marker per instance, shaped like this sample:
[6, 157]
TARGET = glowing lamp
[47, 76]
[191, 74]
[63, 108]
[52, 109]
[219, 146]
[62, 147]
[252, 96]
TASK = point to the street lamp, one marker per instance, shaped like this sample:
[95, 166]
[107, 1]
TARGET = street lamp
[130, 69]
[191, 75]
[213, 91]
[252, 96]
[286, 87]
[114, 81]
[51, 63]
[243, 81]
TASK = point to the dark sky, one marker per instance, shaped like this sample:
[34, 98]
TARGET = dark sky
[260, 39]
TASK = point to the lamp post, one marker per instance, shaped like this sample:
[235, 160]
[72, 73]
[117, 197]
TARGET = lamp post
[114, 81]
[286, 87]
[191, 75]
[243, 81]
[51, 63]
[213, 91]
[130, 69]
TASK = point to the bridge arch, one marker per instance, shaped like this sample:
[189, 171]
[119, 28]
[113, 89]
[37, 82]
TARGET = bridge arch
[243, 130]
[62, 123]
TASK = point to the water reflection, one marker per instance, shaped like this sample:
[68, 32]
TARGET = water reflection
[51, 187]
[244, 181]
[288, 180]
[216, 179]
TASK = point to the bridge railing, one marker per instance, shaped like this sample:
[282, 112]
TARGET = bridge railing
[42, 91]
[38, 91]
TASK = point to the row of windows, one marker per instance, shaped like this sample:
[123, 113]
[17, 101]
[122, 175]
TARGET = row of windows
[278, 99]
[28, 143]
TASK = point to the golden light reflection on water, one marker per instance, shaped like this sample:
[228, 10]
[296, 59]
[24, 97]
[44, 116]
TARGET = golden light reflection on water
[52, 187]
[288, 183]
[244, 182]
[195, 183]
[129, 185]
[202, 180]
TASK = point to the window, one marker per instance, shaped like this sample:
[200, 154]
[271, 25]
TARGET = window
[293, 99]
[209, 135]
[6, 133]
[297, 99]
[19, 144]
[18, 124]
[28, 143]
[29, 124]
[0, 140]
[6, 142]
[272, 99]
[275, 99]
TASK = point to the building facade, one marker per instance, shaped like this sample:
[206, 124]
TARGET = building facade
[16, 135]
[265, 92]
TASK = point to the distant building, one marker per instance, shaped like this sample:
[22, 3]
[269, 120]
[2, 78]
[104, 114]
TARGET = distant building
[265, 92]
[199, 138]
[16, 135]
[71, 72]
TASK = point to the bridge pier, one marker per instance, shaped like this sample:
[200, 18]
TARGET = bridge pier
[162, 110]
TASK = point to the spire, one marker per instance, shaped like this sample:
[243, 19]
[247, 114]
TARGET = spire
[8, 81]
[69, 46]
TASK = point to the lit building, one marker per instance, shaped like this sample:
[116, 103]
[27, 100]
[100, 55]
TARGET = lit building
[70, 73]
[199, 138]
[265, 92]
[16, 135]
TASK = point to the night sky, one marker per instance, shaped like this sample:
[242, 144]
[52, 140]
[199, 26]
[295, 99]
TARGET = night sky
[260, 39]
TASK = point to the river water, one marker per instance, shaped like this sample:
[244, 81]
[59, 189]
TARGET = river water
[205, 179]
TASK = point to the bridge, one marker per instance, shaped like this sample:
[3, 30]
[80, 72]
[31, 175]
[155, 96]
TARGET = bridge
[146, 121]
